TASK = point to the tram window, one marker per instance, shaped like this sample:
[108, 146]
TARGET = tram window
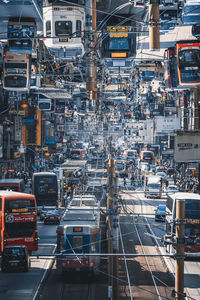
[48, 28]
[63, 28]
[78, 242]
[78, 28]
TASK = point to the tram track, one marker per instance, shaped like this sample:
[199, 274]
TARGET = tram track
[147, 281]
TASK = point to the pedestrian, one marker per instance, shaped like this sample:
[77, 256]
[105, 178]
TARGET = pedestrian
[124, 181]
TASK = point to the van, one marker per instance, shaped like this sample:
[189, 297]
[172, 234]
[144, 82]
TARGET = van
[13, 184]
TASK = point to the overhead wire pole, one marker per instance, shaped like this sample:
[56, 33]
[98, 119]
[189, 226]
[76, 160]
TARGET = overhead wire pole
[179, 281]
[112, 224]
[90, 28]
[154, 21]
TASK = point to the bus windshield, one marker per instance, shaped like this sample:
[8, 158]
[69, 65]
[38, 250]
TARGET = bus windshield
[15, 68]
[189, 58]
[119, 166]
[147, 155]
[9, 187]
[118, 44]
[15, 81]
[19, 205]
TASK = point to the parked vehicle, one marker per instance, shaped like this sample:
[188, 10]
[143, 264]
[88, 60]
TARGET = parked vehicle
[15, 258]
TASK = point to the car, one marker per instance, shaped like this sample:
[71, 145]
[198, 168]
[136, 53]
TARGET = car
[166, 27]
[196, 30]
[191, 13]
[15, 258]
[52, 217]
[171, 189]
[160, 213]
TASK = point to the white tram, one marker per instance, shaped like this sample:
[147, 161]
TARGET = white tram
[63, 30]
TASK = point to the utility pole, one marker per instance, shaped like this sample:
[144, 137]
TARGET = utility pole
[179, 281]
[112, 234]
[115, 242]
[90, 28]
[154, 21]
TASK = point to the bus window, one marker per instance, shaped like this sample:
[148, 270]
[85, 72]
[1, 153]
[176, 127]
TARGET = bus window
[48, 28]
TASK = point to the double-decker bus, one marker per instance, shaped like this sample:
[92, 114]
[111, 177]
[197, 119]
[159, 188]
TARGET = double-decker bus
[147, 156]
[21, 32]
[170, 68]
[192, 222]
[18, 220]
[188, 62]
[45, 189]
[16, 71]
[13, 184]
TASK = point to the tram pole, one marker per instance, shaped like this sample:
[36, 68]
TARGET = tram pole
[154, 21]
[115, 241]
[90, 30]
[179, 281]
[110, 225]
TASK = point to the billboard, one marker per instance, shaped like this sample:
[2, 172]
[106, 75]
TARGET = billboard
[167, 124]
[187, 147]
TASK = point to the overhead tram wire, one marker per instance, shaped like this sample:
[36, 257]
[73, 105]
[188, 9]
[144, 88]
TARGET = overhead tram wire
[101, 11]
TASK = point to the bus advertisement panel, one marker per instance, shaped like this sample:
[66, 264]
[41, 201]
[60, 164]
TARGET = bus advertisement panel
[16, 71]
[188, 62]
[18, 215]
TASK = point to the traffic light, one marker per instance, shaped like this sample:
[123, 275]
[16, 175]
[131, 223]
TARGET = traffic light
[32, 127]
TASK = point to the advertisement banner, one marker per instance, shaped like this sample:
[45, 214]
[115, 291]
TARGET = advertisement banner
[187, 147]
[167, 124]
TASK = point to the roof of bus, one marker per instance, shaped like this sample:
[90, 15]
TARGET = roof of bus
[182, 196]
[15, 194]
[44, 174]
[11, 180]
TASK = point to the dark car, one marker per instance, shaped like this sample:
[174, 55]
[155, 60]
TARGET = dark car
[196, 30]
[160, 213]
[52, 217]
[15, 258]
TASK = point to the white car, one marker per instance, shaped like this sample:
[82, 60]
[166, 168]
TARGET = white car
[171, 189]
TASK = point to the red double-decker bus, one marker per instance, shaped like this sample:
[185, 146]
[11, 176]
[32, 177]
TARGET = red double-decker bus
[18, 220]
[188, 62]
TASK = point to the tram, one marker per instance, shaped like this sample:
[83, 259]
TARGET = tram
[63, 30]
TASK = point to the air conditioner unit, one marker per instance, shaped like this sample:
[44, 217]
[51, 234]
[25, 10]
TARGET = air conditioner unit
[44, 104]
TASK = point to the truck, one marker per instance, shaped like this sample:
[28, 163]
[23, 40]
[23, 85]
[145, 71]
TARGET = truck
[153, 187]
